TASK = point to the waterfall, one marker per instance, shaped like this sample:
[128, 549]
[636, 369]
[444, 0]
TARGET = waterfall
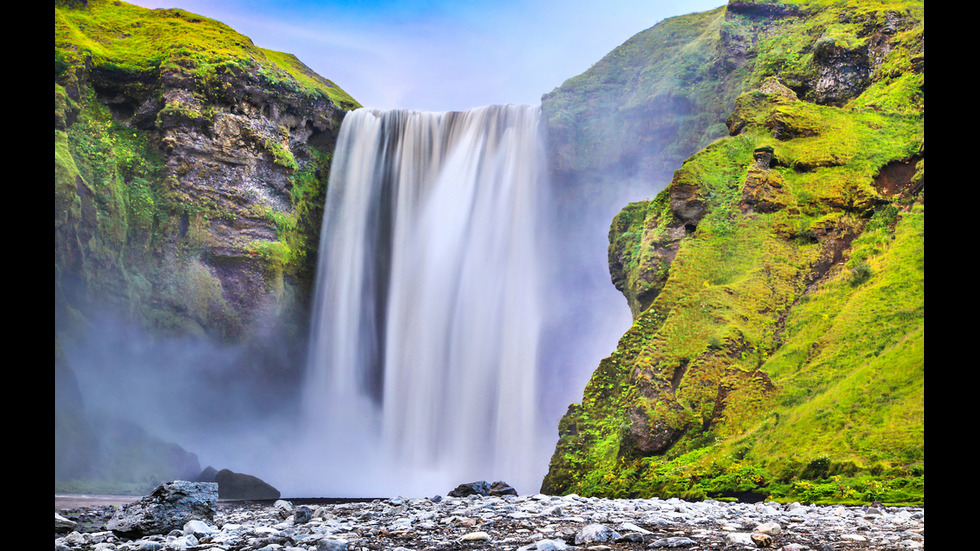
[423, 361]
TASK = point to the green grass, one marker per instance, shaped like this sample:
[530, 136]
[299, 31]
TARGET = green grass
[113, 35]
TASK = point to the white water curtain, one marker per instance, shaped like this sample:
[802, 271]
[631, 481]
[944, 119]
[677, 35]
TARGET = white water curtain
[428, 313]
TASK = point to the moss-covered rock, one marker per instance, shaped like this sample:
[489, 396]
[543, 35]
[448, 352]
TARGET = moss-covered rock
[190, 175]
[190, 168]
[764, 355]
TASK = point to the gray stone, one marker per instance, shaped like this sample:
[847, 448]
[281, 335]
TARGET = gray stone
[480, 487]
[546, 545]
[283, 508]
[739, 538]
[328, 544]
[674, 542]
[485, 522]
[302, 514]
[168, 507]
[62, 524]
[771, 528]
[594, 533]
[502, 489]
[198, 529]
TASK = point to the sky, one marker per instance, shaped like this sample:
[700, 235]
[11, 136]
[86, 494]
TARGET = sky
[441, 55]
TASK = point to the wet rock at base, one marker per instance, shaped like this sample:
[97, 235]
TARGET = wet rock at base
[62, 524]
[232, 485]
[482, 488]
[168, 507]
[502, 489]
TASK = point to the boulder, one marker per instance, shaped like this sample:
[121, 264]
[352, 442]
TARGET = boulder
[482, 488]
[232, 485]
[168, 507]
[502, 489]
[302, 514]
[763, 189]
[593, 533]
[62, 524]
[283, 508]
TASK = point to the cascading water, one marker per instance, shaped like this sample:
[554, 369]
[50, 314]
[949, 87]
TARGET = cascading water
[422, 368]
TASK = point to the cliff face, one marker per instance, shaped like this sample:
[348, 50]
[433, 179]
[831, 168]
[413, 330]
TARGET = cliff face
[776, 284]
[189, 169]
[190, 173]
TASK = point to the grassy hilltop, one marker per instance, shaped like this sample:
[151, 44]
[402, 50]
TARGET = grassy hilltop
[777, 282]
[181, 149]
[114, 35]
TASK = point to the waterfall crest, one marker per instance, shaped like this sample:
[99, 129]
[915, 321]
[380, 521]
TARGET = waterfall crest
[423, 361]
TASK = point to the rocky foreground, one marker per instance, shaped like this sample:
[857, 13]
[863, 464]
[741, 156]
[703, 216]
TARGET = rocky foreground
[524, 523]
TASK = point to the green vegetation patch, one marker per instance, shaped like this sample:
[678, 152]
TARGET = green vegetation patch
[783, 350]
[111, 35]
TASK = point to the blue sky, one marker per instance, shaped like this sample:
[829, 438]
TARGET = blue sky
[442, 55]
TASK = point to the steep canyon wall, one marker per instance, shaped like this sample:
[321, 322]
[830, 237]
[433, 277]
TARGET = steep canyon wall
[765, 356]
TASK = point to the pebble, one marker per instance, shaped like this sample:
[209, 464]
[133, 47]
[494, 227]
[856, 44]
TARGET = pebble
[515, 523]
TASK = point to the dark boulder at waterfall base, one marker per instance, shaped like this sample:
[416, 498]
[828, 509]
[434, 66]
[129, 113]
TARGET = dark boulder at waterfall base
[483, 488]
[232, 485]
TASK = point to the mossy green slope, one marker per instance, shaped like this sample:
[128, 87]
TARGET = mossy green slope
[777, 284]
[644, 107]
[109, 34]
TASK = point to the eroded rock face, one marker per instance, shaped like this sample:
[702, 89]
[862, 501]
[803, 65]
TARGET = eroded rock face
[648, 436]
[842, 73]
[639, 271]
[763, 190]
[209, 254]
[687, 370]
